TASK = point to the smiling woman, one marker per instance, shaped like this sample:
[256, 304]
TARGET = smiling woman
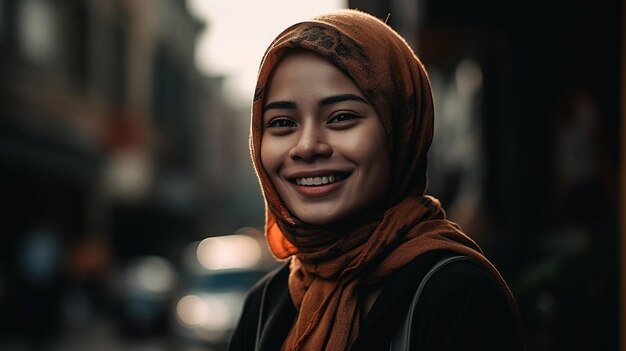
[342, 120]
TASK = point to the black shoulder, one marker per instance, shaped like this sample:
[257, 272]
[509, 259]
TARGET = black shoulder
[244, 335]
[462, 307]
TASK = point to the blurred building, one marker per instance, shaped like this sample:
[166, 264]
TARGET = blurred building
[525, 155]
[108, 135]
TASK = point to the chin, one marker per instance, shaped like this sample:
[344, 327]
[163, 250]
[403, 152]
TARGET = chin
[335, 219]
[322, 221]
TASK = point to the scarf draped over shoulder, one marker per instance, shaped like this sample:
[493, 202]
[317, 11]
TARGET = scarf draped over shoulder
[329, 265]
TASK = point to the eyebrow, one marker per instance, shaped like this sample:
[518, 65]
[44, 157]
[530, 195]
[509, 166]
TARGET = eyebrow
[280, 105]
[290, 105]
[340, 98]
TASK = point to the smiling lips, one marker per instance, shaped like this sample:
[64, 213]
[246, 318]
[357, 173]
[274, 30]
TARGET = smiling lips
[319, 185]
[320, 180]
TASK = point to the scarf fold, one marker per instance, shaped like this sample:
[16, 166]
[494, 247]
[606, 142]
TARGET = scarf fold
[329, 265]
[325, 292]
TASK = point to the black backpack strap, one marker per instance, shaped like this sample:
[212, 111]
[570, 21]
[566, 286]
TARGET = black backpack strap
[259, 325]
[402, 340]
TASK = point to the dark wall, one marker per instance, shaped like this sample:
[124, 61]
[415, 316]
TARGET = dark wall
[546, 64]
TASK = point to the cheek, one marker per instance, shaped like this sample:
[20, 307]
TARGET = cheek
[270, 156]
[370, 148]
[266, 158]
[375, 157]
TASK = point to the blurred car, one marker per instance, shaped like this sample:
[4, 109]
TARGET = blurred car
[144, 290]
[218, 273]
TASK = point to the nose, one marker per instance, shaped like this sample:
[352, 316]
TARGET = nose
[311, 144]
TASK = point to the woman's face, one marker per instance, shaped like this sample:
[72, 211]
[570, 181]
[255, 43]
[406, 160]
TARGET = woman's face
[323, 147]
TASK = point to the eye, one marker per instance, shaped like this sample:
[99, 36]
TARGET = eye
[281, 122]
[342, 117]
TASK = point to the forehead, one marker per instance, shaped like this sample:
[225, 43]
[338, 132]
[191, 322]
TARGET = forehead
[303, 72]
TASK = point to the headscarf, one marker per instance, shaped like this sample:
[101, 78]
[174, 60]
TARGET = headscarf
[330, 264]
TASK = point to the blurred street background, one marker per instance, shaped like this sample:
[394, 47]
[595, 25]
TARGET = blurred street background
[131, 218]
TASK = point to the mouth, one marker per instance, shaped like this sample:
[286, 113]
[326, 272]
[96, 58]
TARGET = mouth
[319, 180]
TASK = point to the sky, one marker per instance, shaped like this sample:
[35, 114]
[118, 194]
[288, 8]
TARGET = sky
[239, 31]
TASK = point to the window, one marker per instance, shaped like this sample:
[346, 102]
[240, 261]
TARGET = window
[37, 30]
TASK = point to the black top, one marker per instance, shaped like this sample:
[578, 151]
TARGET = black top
[460, 308]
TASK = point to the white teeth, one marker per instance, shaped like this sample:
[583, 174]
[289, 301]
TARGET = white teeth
[317, 180]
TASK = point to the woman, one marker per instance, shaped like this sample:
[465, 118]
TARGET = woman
[342, 119]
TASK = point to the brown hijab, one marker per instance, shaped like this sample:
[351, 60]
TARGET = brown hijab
[330, 264]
